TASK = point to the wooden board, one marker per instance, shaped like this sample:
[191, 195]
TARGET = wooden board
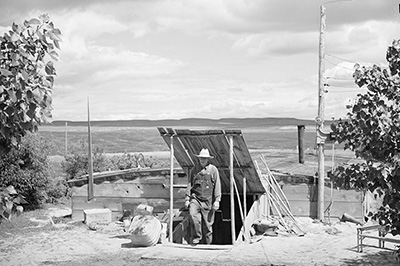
[118, 205]
[309, 209]
[126, 175]
[310, 192]
[130, 190]
[303, 200]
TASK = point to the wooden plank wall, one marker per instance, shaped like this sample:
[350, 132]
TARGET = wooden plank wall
[304, 203]
[122, 195]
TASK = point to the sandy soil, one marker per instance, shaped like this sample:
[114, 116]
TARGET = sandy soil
[66, 242]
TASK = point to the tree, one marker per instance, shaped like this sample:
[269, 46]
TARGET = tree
[26, 168]
[27, 55]
[372, 131]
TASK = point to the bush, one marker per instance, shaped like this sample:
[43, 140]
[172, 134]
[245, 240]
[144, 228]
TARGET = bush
[10, 203]
[76, 163]
[128, 161]
[57, 189]
[26, 168]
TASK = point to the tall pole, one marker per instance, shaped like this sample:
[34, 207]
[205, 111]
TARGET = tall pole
[300, 140]
[90, 156]
[320, 117]
[233, 229]
[66, 138]
[171, 192]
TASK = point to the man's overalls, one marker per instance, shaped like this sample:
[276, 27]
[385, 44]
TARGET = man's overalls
[200, 209]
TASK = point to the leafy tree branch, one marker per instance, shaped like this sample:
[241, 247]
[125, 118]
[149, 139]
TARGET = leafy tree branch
[372, 131]
[27, 55]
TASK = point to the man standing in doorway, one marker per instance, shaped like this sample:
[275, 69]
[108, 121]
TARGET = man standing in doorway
[203, 195]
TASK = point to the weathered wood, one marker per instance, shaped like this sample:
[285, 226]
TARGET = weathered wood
[90, 157]
[118, 205]
[309, 192]
[207, 132]
[78, 215]
[129, 174]
[257, 211]
[171, 191]
[320, 117]
[232, 199]
[300, 141]
[274, 184]
[306, 208]
[130, 190]
[233, 132]
[381, 239]
[180, 153]
[216, 141]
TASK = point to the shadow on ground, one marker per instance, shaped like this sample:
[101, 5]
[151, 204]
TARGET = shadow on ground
[384, 257]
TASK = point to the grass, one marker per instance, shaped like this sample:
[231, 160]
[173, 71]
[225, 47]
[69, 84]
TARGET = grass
[25, 223]
[33, 222]
[148, 139]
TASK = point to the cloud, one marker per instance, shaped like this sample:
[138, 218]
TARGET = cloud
[367, 42]
[277, 44]
[206, 58]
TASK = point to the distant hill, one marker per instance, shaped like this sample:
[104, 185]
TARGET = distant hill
[193, 122]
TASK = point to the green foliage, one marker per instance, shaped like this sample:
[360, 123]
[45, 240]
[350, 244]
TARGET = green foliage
[76, 164]
[26, 168]
[10, 203]
[56, 190]
[128, 161]
[372, 131]
[27, 73]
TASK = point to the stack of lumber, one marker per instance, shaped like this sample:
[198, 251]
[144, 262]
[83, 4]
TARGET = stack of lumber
[277, 204]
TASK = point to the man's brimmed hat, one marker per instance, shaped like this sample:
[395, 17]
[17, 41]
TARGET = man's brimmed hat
[204, 153]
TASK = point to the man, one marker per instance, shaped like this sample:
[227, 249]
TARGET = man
[203, 195]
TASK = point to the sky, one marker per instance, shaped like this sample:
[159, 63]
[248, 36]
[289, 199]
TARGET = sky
[174, 59]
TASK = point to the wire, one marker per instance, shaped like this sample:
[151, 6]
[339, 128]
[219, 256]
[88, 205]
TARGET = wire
[337, 57]
[338, 65]
[334, 1]
[354, 90]
[339, 79]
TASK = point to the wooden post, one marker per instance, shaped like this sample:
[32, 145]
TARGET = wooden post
[300, 140]
[245, 210]
[66, 138]
[90, 157]
[244, 197]
[320, 117]
[171, 192]
[233, 230]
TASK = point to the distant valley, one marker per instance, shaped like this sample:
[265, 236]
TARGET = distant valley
[194, 122]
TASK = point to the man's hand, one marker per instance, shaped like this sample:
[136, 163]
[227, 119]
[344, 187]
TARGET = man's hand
[187, 204]
[215, 205]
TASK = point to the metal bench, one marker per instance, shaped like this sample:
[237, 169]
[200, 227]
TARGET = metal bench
[381, 236]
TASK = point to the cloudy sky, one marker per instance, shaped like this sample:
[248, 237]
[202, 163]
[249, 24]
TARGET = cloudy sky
[173, 59]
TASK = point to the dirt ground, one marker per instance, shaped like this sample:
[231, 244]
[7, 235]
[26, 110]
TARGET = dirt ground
[59, 241]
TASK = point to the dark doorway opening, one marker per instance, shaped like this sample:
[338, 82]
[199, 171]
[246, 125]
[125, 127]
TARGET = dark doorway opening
[222, 233]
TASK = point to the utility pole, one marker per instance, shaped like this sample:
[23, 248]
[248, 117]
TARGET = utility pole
[90, 157]
[320, 118]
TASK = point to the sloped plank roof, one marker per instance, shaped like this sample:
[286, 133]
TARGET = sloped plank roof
[188, 143]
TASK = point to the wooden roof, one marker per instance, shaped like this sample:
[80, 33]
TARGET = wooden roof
[188, 143]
